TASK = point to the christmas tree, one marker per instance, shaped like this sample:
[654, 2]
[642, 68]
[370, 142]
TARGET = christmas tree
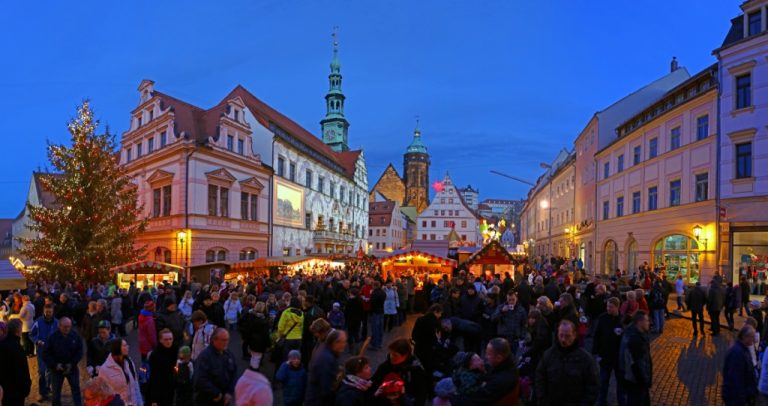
[95, 217]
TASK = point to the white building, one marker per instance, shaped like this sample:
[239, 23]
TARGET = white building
[446, 212]
[386, 226]
[471, 196]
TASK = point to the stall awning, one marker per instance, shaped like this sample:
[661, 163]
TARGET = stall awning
[405, 254]
[258, 263]
[10, 277]
[146, 267]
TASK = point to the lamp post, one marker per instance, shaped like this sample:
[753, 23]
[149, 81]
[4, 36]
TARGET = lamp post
[697, 233]
[544, 204]
[181, 237]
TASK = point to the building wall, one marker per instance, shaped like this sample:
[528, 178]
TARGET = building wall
[434, 223]
[584, 194]
[389, 236]
[648, 226]
[390, 185]
[744, 201]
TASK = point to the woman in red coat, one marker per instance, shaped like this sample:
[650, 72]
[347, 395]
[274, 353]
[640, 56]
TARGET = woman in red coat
[147, 332]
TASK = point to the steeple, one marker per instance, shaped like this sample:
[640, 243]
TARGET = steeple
[416, 170]
[416, 144]
[335, 126]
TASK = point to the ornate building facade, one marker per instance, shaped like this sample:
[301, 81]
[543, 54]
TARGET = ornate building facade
[447, 212]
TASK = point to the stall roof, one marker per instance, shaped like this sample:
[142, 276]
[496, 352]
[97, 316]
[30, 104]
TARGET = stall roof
[257, 263]
[432, 256]
[146, 267]
[10, 277]
[492, 248]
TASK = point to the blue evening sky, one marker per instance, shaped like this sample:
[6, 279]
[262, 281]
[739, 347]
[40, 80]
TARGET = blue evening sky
[498, 84]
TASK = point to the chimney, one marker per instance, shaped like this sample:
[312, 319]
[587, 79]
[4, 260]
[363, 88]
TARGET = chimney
[673, 66]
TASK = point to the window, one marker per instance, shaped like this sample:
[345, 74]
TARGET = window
[702, 187]
[674, 138]
[433, 223]
[241, 147]
[423, 236]
[636, 155]
[680, 254]
[237, 115]
[308, 220]
[753, 23]
[230, 143]
[221, 255]
[321, 184]
[213, 199]
[620, 163]
[138, 150]
[215, 254]
[224, 196]
[653, 198]
[450, 200]
[743, 91]
[156, 202]
[341, 193]
[463, 223]
[674, 193]
[254, 207]
[138, 121]
[151, 115]
[150, 145]
[383, 232]
[442, 213]
[244, 205]
[653, 148]
[167, 200]
[248, 254]
[611, 256]
[424, 223]
[702, 127]
[744, 160]
[620, 206]
[606, 210]
[606, 170]
[436, 213]
[431, 236]
[128, 155]
[308, 179]
[281, 166]
[635, 202]
[163, 139]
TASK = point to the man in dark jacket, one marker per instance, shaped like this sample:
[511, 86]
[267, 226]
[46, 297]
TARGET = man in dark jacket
[61, 354]
[511, 320]
[635, 364]
[423, 335]
[500, 383]
[14, 374]
[377, 315]
[551, 290]
[696, 300]
[739, 379]
[605, 346]
[525, 294]
[172, 319]
[215, 372]
[567, 374]
[44, 326]
[715, 304]
[471, 306]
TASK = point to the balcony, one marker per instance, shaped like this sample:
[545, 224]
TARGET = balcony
[332, 237]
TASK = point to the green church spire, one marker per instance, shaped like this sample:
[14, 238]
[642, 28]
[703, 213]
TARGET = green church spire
[335, 126]
[416, 145]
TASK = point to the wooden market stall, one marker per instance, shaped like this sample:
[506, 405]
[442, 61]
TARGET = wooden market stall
[253, 268]
[416, 262]
[492, 259]
[146, 273]
[10, 276]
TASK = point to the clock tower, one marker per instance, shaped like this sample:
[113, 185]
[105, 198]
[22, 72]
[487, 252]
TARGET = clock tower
[334, 126]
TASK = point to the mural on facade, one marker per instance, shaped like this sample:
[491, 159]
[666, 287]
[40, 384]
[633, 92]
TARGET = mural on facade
[289, 202]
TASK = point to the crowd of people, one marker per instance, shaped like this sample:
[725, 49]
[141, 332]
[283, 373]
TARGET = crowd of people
[546, 336]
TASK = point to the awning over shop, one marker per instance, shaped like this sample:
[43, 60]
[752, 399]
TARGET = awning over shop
[147, 267]
[258, 263]
[401, 255]
[10, 277]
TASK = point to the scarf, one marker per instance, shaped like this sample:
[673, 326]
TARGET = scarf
[357, 382]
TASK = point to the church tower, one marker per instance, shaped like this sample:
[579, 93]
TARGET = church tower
[416, 171]
[334, 126]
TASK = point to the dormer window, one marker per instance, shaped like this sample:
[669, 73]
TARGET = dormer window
[138, 151]
[128, 155]
[138, 122]
[151, 115]
[237, 115]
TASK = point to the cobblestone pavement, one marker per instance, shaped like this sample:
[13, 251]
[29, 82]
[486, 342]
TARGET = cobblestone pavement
[687, 369]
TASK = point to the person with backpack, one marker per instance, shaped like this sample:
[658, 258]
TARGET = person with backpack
[202, 333]
[658, 304]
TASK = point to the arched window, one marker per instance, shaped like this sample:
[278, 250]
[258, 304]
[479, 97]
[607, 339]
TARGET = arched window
[162, 254]
[248, 254]
[610, 257]
[677, 255]
[631, 256]
[215, 254]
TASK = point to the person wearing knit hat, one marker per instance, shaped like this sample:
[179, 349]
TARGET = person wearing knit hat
[444, 389]
[293, 377]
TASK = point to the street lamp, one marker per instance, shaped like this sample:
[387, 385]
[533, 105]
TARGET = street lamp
[544, 204]
[697, 233]
[181, 237]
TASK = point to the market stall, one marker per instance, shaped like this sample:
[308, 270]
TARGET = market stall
[310, 265]
[10, 277]
[418, 263]
[145, 273]
[253, 268]
[492, 259]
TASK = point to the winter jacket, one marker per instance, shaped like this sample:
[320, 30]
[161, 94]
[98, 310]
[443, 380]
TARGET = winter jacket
[496, 384]
[733, 298]
[215, 374]
[323, 369]
[117, 314]
[185, 307]
[27, 317]
[61, 349]
[391, 301]
[423, 335]
[348, 395]
[201, 339]
[253, 389]
[294, 382]
[291, 324]
[232, 309]
[215, 313]
[98, 351]
[634, 361]
[739, 378]
[470, 307]
[377, 301]
[147, 332]
[511, 323]
[42, 329]
[254, 330]
[410, 372]
[715, 298]
[173, 321]
[14, 374]
[336, 319]
[567, 376]
[162, 362]
[696, 299]
[123, 379]
[606, 342]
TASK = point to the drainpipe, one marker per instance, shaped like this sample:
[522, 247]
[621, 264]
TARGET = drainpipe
[186, 208]
[717, 174]
[271, 199]
[594, 221]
